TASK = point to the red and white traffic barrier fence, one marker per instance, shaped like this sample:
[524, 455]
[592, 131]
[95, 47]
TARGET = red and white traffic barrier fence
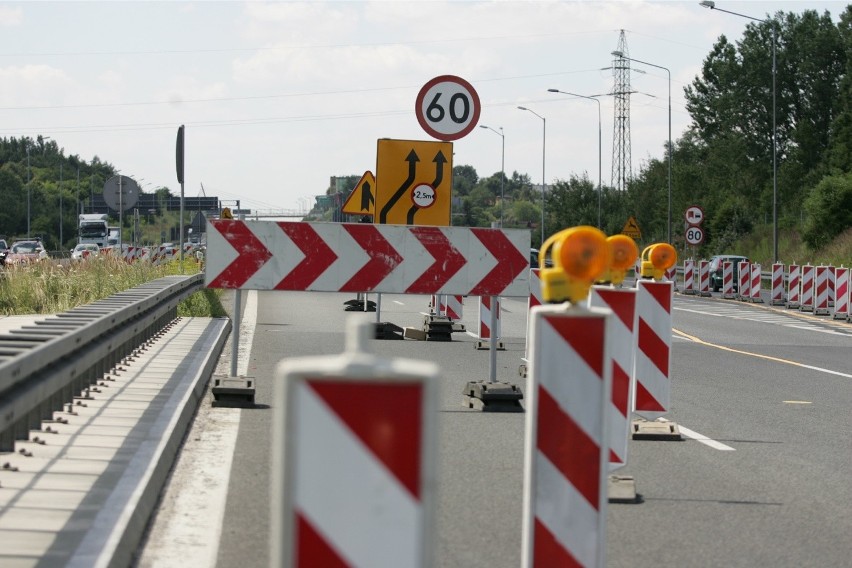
[535, 299]
[776, 297]
[354, 447]
[841, 293]
[486, 334]
[794, 295]
[689, 276]
[671, 276]
[744, 280]
[622, 303]
[704, 278]
[821, 290]
[831, 285]
[807, 301]
[566, 451]
[452, 306]
[653, 348]
[728, 280]
[756, 274]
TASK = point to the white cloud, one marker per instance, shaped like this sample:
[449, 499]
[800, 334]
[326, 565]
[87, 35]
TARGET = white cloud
[11, 16]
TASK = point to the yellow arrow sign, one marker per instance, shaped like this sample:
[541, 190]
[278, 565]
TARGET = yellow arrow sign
[631, 229]
[362, 200]
[414, 182]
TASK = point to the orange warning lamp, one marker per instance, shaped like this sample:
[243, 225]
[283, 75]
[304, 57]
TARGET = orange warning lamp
[656, 259]
[580, 255]
[622, 254]
[226, 213]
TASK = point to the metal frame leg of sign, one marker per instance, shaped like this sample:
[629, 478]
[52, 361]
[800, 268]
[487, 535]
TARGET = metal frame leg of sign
[492, 396]
[234, 391]
[354, 446]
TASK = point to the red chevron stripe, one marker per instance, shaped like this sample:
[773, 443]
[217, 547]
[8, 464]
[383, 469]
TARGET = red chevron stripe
[448, 260]
[312, 549]
[383, 258]
[621, 302]
[568, 448]
[585, 336]
[386, 417]
[510, 263]
[653, 347]
[548, 551]
[252, 254]
[620, 388]
[645, 401]
[318, 256]
[662, 293]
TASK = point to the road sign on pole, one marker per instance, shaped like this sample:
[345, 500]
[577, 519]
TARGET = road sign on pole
[362, 200]
[694, 215]
[694, 235]
[413, 182]
[447, 108]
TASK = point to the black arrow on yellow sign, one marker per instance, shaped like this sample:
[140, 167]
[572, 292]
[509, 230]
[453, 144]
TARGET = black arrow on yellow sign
[439, 160]
[362, 200]
[412, 160]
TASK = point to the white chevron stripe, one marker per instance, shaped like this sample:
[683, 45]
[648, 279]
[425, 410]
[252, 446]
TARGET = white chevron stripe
[363, 511]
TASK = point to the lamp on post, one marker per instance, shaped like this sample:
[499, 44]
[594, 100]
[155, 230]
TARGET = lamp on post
[712, 5]
[502, 165]
[600, 187]
[621, 55]
[543, 184]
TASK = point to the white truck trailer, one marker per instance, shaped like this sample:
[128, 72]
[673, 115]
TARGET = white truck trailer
[93, 228]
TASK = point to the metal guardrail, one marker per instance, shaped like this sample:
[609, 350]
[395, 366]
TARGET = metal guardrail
[45, 365]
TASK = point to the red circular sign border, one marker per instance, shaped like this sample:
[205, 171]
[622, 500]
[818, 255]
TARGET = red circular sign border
[434, 199]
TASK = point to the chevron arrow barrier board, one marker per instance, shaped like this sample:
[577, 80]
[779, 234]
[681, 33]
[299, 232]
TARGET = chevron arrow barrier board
[359, 257]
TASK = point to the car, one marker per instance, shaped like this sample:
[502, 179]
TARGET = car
[548, 263]
[84, 251]
[4, 249]
[24, 252]
[716, 269]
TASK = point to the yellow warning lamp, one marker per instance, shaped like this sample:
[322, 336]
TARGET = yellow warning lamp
[622, 254]
[226, 213]
[656, 259]
[580, 255]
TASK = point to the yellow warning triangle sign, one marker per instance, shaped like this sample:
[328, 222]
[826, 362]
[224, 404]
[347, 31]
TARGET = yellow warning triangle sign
[362, 200]
[631, 229]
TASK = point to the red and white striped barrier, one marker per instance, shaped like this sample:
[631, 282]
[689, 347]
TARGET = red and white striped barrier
[704, 278]
[353, 461]
[452, 306]
[566, 453]
[841, 293]
[622, 302]
[776, 297]
[535, 299]
[821, 290]
[654, 343]
[807, 301]
[756, 274]
[485, 331]
[744, 280]
[671, 276]
[794, 296]
[831, 285]
[689, 276]
[728, 280]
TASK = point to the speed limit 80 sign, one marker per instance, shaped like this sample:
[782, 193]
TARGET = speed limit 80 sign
[447, 108]
[694, 235]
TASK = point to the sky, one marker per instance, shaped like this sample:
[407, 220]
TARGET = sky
[277, 97]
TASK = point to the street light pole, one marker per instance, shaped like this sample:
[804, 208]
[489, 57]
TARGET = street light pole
[29, 196]
[502, 166]
[669, 73]
[543, 184]
[600, 187]
[712, 5]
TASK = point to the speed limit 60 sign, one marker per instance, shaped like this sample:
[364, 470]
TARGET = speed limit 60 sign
[694, 235]
[447, 108]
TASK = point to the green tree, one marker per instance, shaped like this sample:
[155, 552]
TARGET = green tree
[829, 209]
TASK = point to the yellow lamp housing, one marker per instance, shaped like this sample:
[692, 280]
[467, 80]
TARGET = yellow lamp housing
[226, 213]
[580, 255]
[623, 252]
[656, 259]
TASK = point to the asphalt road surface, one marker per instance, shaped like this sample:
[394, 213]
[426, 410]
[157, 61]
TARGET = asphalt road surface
[762, 396]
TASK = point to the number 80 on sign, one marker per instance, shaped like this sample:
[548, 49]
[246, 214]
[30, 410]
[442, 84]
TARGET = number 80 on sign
[694, 235]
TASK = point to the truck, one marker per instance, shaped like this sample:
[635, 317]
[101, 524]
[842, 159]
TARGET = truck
[93, 228]
[113, 236]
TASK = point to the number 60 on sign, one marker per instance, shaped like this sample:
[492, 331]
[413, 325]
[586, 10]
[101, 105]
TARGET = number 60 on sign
[447, 107]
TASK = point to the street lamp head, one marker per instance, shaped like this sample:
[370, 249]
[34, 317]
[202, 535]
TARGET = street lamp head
[618, 53]
[707, 4]
[523, 108]
[553, 90]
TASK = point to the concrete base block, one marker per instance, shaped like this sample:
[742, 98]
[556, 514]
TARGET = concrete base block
[233, 392]
[656, 430]
[485, 345]
[492, 397]
[622, 489]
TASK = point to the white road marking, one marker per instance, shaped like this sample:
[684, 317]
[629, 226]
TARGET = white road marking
[700, 437]
[398, 302]
[193, 505]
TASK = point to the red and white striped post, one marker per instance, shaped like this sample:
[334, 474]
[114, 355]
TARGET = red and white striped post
[728, 280]
[807, 301]
[486, 334]
[565, 466]
[535, 299]
[777, 295]
[704, 278]
[451, 306]
[821, 290]
[622, 302]
[794, 287]
[689, 276]
[744, 280]
[354, 460]
[671, 276]
[653, 352]
[756, 275]
[841, 293]
[831, 270]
